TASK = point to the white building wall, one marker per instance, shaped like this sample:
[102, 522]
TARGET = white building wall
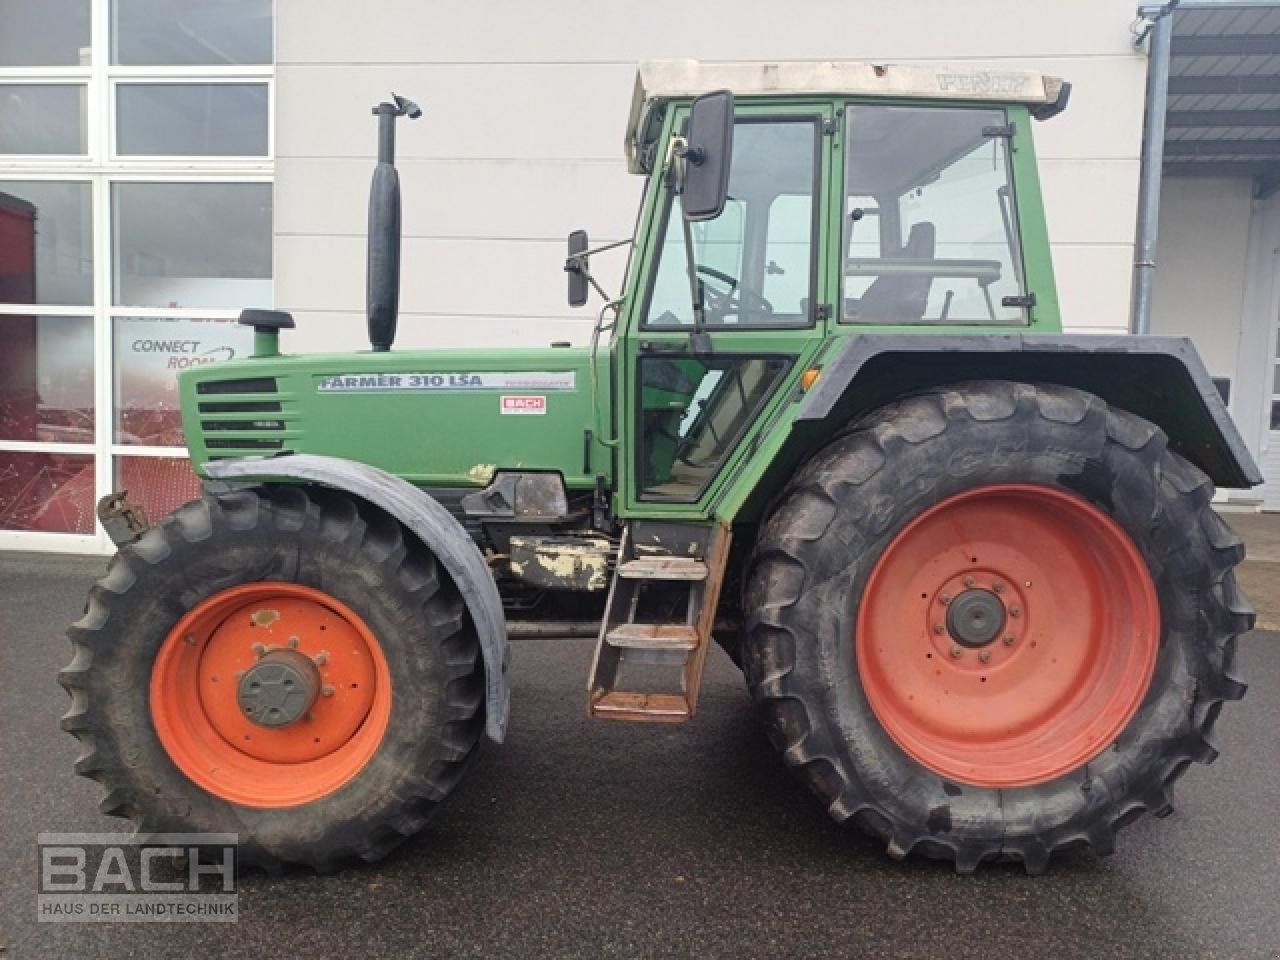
[1258, 359]
[525, 106]
[1200, 266]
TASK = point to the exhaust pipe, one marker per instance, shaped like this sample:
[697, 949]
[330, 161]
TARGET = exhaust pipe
[382, 277]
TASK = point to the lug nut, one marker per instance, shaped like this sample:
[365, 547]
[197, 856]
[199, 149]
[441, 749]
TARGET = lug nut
[259, 649]
[293, 643]
[944, 599]
[326, 691]
[1015, 611]
[985, 656]
[321, 658]
[955, 652]
[969, 581]
[939, 629]
[998, 587]
[1008, 639]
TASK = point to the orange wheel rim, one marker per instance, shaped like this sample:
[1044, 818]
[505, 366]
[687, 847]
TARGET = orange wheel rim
[1007, 635]
[270, 694]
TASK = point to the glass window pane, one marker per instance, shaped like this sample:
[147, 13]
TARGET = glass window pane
[46, 379]
[46, 253]
[51, 33]
[149, 353]
[942, 247]
[786, 268]
[192, 119]
[160, 484]
[692, 415]
[742, 277]
[192, 244]
[46, 492]
[165, 32]
[42, 118]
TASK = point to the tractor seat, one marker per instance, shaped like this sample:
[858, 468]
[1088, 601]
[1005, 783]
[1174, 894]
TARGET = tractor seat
[899, 298]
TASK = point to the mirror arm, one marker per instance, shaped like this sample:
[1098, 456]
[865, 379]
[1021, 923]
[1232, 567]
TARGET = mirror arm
[578, 264]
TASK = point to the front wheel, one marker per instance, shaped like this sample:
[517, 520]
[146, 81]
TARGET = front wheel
[993, 621]
[283, 663]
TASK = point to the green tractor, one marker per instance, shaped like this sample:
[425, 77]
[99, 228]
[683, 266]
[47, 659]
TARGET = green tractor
[967, 564]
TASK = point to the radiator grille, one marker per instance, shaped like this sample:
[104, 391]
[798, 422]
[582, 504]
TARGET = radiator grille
[234, 426]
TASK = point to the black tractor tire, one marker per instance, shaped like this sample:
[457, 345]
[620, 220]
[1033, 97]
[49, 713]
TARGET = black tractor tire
[824, 534]
[310, 536]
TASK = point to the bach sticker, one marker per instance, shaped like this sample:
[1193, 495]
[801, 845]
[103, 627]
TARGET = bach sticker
[528, 404]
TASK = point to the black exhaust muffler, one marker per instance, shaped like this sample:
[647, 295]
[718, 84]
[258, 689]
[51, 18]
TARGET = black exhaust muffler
[382, 278]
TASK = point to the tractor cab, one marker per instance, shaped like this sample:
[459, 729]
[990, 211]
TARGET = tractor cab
[813, 203]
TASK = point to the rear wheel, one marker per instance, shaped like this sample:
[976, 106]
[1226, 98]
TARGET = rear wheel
[281, 663]
[994, 620]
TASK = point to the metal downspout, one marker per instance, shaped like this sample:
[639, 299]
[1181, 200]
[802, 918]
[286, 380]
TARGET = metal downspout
[1144, 266]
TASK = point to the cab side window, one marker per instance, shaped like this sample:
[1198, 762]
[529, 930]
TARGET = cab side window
[756, 260]
[930, 235]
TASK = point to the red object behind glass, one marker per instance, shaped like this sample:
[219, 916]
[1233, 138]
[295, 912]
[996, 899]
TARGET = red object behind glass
[160, 484]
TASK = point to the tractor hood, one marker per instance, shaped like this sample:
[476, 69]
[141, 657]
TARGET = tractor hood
[448, 418]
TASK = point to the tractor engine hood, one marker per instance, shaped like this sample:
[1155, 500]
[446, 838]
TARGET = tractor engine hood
[448, 418]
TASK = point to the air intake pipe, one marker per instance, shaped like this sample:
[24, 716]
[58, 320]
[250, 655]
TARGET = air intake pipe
[382, 278]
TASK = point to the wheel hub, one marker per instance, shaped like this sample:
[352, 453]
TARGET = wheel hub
[975, 618]
[279, 689]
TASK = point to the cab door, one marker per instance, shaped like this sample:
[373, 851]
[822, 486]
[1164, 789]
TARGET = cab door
[690, 418]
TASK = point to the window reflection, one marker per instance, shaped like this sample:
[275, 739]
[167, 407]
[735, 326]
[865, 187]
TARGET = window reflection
[46, 492]
[51, 33]
[46, 379]
[46, 254]
[192, 244]
[163, 32]
[42, 118]
[191, 119]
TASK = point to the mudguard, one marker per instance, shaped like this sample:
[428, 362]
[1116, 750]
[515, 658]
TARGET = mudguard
[439, 531]
[1161, 379]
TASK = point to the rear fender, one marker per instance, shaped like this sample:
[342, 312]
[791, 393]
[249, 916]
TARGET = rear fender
[1158, 378]
[431, 523]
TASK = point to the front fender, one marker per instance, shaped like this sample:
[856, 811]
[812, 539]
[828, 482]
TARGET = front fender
[1161, 379]
[431, 523]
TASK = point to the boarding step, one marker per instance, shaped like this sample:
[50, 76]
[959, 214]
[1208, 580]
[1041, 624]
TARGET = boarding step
[659, 614]
[665, 637]
[663, 568]
[651, 707]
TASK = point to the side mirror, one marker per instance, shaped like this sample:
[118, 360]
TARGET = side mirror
[706, 158]
[576, 269]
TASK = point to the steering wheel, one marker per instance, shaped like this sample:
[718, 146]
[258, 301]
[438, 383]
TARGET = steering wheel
[721, 303]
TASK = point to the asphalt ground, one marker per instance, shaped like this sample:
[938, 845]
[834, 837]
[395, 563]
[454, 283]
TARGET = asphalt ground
[585, 838]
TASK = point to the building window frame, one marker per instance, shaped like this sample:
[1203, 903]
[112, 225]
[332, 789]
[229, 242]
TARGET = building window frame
[102, 167]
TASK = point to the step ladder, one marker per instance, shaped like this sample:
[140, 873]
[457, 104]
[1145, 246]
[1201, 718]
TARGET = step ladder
[660, 611]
